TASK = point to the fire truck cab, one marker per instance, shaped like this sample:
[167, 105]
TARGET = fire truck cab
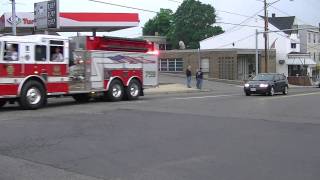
[36, 67]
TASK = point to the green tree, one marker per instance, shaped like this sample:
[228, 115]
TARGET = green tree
[192, 23]
[162, 23]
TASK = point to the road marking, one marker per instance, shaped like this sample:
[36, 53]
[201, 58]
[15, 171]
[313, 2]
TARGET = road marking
[295, 95]
[203, 97]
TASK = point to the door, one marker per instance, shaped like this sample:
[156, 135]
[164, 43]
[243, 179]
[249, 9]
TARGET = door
[277, 83]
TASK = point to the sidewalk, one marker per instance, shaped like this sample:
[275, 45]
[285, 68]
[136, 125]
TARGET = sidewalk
[171, 89]
[226, 81]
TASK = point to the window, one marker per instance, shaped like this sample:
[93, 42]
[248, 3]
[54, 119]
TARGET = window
[283, 77]
[314, 38]
[11, 52]
[309, 37]
[293, 45]
[56, 51]
[171, 65]
[41, 53]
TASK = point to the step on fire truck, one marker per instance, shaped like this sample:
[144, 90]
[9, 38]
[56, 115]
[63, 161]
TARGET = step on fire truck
[36, 67]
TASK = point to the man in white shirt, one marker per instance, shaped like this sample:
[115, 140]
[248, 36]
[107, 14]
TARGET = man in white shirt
[57, 56]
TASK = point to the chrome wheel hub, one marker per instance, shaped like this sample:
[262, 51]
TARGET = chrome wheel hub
[33, 96]
[134, 90]
[116, 91]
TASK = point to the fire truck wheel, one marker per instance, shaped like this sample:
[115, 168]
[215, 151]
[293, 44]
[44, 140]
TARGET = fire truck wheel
[2, 103]
[116, 91]
[133, 90]
[82, 98]
[33, 96]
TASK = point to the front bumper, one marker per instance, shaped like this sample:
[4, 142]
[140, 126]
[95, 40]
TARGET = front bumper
[256, 90]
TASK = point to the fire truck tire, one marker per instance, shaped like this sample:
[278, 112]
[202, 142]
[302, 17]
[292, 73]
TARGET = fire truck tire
[116, 91]
[2, 103]
[133, 91]
[33, 95]
[82, 98]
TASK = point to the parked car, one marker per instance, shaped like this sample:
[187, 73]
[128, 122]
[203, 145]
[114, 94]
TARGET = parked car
[268, 84]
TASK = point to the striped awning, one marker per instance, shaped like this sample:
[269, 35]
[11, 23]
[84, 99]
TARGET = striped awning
[300, 61]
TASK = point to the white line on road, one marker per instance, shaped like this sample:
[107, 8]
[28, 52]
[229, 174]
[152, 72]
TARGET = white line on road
[295, 95]
[203, 97]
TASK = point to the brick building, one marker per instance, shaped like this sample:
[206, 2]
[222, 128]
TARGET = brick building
[232, 64]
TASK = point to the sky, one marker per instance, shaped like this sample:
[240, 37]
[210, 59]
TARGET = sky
[306, 11]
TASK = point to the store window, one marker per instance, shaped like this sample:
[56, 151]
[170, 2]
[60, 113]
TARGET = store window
[171, 65]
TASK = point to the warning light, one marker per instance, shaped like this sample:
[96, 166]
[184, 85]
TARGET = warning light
[155, 52]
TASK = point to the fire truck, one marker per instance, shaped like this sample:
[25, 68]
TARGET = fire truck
[34, 68]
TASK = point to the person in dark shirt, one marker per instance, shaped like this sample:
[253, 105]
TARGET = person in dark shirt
[199, 78]
[189, 76]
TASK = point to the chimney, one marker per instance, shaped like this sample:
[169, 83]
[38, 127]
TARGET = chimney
[273, 15]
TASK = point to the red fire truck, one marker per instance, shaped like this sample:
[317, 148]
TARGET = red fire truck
[36, 67]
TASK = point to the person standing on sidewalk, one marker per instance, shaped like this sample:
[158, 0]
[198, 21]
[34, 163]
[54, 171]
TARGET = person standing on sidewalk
[189, 76]
[199, 78]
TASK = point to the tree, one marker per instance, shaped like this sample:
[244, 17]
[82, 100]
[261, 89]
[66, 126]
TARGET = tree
[192, 23]
[162, 23]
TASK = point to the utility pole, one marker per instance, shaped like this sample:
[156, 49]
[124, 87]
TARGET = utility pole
[14, 21]
[266, 28]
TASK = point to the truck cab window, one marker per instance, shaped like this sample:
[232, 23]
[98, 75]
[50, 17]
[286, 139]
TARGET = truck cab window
[41, 53]
[56, 53]
[11, 52]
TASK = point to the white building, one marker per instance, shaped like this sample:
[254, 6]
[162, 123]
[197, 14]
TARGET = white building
[286, 43]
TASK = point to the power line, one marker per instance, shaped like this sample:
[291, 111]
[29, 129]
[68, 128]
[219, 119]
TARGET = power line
[128, 7]
[242, 22]
[245, 38]
[240, 25]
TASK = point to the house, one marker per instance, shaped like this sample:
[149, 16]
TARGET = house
[285, 43]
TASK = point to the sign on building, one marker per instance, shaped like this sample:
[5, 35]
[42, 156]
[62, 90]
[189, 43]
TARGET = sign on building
[46, 14]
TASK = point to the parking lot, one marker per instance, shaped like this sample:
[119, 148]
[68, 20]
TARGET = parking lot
[215, 134]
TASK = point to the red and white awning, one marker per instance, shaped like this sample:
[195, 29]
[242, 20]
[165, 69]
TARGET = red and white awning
[74, 22]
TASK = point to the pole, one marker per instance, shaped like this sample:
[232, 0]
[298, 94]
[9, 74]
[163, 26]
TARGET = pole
[14, 22]
[199, 58]
[266, 22]
[257, 53]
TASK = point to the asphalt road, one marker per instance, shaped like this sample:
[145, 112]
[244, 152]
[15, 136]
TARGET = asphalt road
[220, 134]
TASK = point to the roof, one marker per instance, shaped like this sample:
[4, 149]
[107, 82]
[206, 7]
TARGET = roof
[282, 23]
[30, 38]
[74, 22]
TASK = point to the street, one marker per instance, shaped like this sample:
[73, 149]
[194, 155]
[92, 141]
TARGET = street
[217, 134]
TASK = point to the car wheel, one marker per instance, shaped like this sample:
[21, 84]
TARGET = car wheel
[248, 94]
[271, 92]
[2, 103]
[133, 91]
[116, 91]
[81, 98]
[33, 96]
[285, 91]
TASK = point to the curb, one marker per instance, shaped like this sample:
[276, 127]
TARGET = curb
[226, 81]
[177, 92]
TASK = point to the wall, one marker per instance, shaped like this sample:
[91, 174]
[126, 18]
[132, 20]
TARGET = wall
[223, 64]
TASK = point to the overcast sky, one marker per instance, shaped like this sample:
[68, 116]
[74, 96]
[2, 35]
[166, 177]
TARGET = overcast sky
[307, 11]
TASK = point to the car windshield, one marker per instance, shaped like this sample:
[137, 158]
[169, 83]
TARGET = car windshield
[263, 77]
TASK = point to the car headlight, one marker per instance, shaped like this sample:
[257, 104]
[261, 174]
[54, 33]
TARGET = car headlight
[246, 85]
[264, 85]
